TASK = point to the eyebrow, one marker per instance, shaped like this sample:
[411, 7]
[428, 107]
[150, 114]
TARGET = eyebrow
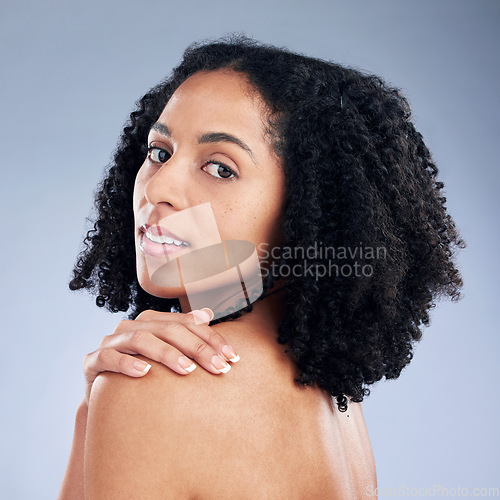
[209, 137]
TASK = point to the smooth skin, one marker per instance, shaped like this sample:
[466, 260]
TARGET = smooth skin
[251, 432]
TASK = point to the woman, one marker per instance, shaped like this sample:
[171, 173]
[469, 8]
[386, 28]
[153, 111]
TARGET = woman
[321, 170]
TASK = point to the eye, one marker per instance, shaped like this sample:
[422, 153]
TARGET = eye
[219, 170]
[158, 155]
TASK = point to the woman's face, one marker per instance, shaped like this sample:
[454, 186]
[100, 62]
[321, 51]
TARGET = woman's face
[210, 174]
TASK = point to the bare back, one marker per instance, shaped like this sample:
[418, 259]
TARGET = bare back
[272, 438]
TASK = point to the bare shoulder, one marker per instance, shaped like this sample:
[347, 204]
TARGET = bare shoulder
[202, 435]
[166, 435]
[163, 435]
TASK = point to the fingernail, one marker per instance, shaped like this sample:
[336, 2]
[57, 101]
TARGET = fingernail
[228, 351]
[209, 312]
[186, 364]
[142, 366]
[201, 314]
[219, 364]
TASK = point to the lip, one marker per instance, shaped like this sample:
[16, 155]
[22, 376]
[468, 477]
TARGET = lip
[156, 230]
[160, 250]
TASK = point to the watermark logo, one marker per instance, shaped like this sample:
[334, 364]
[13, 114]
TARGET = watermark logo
[319, 261]
[433, 490]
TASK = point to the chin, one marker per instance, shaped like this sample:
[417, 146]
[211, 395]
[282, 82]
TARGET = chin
[163, 293]
[169, 288]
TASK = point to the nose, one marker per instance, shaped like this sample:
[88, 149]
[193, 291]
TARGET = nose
[169, 184]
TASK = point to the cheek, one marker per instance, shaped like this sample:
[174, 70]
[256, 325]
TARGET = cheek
[269, 205]
[139, 184]
[255, 220]
[135, 199]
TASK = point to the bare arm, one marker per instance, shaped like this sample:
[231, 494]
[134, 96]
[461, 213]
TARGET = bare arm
[72, 485]
[131, 442]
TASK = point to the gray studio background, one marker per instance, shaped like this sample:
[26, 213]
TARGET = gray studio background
[70, 73]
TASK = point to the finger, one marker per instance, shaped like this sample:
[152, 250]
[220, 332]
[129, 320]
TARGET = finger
[209, 335]
[168, 343]
[111, 359]
[205, 315]
[159, 328]
[151, 315]
[103, 360]
[200, 342]
[170, 347]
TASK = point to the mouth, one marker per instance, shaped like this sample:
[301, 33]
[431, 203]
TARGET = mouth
[159, 242]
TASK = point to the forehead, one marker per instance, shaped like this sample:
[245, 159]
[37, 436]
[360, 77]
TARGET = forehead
[220, 97]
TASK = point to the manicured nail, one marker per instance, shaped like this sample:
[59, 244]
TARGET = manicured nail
[219, 364]
[201, 314]
[209, 312]
[186, 364]
[142, 366]
[228, 351]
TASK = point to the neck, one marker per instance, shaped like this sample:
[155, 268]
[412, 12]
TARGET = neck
[266, 313]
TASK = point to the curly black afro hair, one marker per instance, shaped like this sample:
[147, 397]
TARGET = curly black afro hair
[358, 175]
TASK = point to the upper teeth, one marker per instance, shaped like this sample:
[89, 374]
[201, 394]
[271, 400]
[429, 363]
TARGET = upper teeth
[165, 239]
